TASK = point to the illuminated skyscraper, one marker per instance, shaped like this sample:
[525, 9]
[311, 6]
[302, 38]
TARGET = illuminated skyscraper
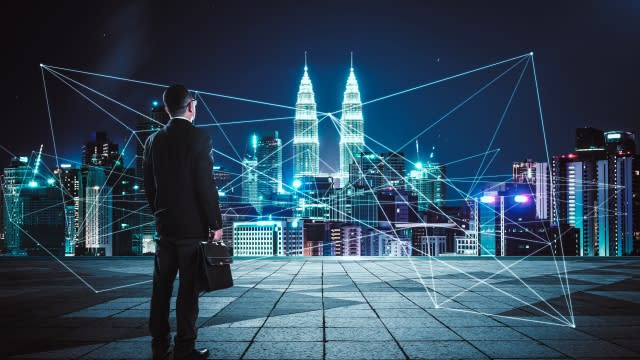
[16, 176]
[250, 183]
[306, 145]
[269, 167]
[427, 182]
[351, 125]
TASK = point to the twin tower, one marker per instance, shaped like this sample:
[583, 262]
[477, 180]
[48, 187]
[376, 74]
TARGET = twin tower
[306, 143]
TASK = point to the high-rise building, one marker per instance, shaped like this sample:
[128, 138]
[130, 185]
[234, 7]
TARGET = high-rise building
[34, 212]
[537, 176]
[428, 183]
[306, 160]
[258, 238]
[250, 193]
[269, 166]
[101, 151]
[73, 192]
[351, 126]
[144, 225]
[314, 194]
[375, 172]
[98, 214]
[16, 176]
[594, 191]
[43, 219]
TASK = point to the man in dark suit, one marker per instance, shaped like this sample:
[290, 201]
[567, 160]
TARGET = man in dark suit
[183, 196]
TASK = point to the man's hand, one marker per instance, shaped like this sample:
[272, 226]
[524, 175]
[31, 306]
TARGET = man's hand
[215, 235]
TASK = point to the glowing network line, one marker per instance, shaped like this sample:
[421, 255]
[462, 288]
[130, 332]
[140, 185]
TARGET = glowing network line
[449, 181]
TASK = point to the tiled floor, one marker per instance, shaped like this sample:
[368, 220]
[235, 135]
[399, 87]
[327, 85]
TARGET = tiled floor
[335, 308]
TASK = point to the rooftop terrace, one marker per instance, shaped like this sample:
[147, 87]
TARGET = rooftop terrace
[334, 308]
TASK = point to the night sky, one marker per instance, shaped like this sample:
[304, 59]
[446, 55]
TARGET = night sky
[586, 58]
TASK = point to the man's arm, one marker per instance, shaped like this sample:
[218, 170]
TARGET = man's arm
[205, 185]
[149, 180]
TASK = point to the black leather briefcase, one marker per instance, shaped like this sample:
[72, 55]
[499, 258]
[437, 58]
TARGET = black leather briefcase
[216, 266]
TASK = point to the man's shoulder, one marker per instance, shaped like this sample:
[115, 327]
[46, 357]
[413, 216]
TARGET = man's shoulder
[200, 135]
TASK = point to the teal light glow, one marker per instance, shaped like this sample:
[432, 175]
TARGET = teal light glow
[50, 181]
[33, 184]
[296, 184]
[155, 103]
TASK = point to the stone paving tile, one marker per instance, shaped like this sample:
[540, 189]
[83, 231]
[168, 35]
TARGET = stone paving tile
[289, 334]
[362, 334]
[552, 332]
[415, 334]
[418, 322]
[342, 350]
[279, 350]
[297, 320]
[226, 334]
[120, 350]
[224, 350]
[441, 350]
[591, 349]
[489, 333]
[362, 322]
[515, 349]
[68, 353]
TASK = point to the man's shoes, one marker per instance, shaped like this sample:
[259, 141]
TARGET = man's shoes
[194, 355]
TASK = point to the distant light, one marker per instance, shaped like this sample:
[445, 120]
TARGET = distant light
[96, 188]
[136, 187]
[124, 225]
[50, 181]
[155, 103]
[521, 198]
[613, 136]
[24, 159]
[571, 156]
[221, 193]
[33, 184]
[65, 166]
[297, 183]
[418, 165]
[294, 223]
[488, 199]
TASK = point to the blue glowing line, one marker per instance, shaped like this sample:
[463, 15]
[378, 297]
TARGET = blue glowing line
[221, 124]
[165, 86]
[504, 113]
[94, 103]
[221, 129]
[446, 78]
[546, 148]
[458, 106]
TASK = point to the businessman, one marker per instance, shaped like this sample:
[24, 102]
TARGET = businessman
[182, 195]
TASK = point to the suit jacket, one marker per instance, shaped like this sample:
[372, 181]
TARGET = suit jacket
[178, 181]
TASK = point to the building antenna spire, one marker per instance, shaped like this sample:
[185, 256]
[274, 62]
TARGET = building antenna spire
[305, 60]
[351, 60]
[417, 151]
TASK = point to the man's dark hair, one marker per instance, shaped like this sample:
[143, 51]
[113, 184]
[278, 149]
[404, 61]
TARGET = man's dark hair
[176, 98]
